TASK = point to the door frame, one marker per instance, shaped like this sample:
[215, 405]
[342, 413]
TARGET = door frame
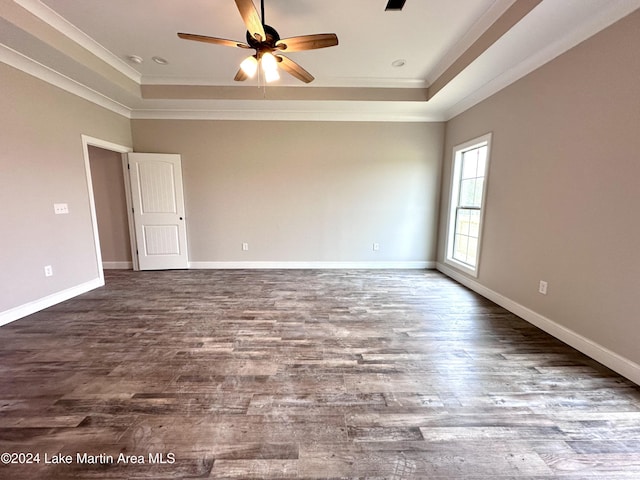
[122, 150]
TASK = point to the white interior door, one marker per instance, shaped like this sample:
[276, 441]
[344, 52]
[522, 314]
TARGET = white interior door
[158, 210]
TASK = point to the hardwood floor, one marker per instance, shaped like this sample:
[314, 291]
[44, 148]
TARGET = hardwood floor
[304, 374]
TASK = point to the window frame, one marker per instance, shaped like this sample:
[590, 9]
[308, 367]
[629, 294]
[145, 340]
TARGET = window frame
[454, 200]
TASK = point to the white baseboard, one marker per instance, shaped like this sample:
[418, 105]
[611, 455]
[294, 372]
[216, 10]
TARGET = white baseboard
[312, 265]
[117, 265]
[615, 362]
[35, 306]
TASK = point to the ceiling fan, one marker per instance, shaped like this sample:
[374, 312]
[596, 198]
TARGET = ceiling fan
[268, 45]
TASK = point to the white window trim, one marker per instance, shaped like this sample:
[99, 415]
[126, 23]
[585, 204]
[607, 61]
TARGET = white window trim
[458, 150]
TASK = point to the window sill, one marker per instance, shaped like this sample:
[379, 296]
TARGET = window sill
[462, 267]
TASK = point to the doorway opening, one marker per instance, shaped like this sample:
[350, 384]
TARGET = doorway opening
[109, 195]
[110, 204]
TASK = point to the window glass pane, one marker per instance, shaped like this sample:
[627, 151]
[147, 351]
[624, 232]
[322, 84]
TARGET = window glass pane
[472, 247]
[460, 248]
[474, 223]
[482, 160]
[463, 222]
[467, 192]
[469, 164]
[477, 193]
[466, 236]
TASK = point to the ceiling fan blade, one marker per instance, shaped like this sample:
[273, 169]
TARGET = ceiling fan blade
[292, 68]
[251, 19]
[307, 42]
[241, 76]
[214, 40]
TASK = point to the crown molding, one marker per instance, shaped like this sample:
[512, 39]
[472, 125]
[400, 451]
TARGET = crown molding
[282, 93]
[616, 10]
[337, 82]
[49, 16]
[363, 111]
[504, 24]
[493, 13]
[28, 65]
[278, 114]
[229, 110]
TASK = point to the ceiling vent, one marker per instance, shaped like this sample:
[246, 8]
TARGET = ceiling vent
[395, 5]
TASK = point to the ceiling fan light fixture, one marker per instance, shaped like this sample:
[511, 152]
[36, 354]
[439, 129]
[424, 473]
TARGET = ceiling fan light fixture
[269, 67]
[266, 41]
[250, 66]
[269, 62]
[271, 75]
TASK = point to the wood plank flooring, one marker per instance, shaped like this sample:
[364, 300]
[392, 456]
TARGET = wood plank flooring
[304, 374]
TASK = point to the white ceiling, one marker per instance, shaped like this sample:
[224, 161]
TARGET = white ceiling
[420, 34]
[428, 34]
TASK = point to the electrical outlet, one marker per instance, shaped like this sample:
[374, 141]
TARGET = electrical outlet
[245, 247]
[60, 208]
[48, 271]
[376, 247]
[542, 288]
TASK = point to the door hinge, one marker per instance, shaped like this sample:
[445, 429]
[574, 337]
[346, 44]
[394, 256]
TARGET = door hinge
[128, 167]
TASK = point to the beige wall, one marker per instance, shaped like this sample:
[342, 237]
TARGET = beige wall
[111, 206]
[41, 163]
[563, 188]
[305, 191]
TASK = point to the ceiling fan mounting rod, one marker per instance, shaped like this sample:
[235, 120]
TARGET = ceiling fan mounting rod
[262, 11]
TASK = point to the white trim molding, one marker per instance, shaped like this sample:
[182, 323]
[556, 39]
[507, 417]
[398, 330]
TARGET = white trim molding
[346, 82]
[36, 69]
[62, 25]
[610, 359]
[602, 15]
[21, 311]
[415, 265]
[97, 142]
[611, 12]
[304, 111]
[117, 265]
[457, 158]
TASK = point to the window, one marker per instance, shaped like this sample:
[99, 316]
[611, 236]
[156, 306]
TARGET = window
[470, 163]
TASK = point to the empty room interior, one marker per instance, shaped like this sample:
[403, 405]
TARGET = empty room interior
[323, 240]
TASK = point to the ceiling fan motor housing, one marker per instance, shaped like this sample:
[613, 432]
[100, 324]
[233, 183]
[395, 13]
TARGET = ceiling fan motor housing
[272, 37]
